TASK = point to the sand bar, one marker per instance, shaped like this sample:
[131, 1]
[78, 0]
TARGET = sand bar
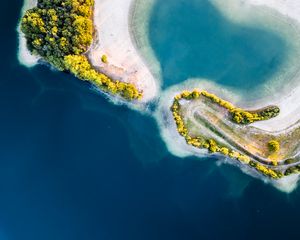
[111, 20]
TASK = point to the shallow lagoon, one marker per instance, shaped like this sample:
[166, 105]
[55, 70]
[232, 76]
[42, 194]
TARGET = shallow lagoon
[251, 51]
[192, 39]
[62, 178]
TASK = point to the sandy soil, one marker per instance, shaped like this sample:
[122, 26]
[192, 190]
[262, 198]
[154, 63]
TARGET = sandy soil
[111, 20]
[289, 101]
[24, 56]
[290, 104]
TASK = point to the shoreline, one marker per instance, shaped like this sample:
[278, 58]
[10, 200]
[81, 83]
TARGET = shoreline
[24, 56]
[289, 104]
[287, 12]
[273, 92]
[113, 39]
[178, 146]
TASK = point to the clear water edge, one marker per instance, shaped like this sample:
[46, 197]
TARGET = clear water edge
[62, 178]
[264, 19]
[141, 11]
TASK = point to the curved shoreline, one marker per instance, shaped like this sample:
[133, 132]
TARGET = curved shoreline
[111, 21]
[169, 124]
[24, 55]
[116, 40]
[273, 92]
[287, 12]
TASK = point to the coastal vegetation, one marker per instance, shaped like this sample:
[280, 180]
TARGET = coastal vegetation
[210, 144]
[55, 29]
[241, 116]
[61, 31]
[274, 146]
[238, 115]
[292, 170]
[104, 59]
[247, 117]
[81, 68]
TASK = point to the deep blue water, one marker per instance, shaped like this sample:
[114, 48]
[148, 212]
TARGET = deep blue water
[75, 167]
[191, 39]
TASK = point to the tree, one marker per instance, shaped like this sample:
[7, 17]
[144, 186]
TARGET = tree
[274, 146]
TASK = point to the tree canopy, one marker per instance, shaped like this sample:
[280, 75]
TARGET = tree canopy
[60, 31]
[56, 28]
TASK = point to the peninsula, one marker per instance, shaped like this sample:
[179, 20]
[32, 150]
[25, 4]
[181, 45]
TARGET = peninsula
[93, 40]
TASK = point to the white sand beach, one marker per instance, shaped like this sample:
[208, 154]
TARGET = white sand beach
[24, 55]
[288, 104]
[113, 39]
[287, 97]
[111, 20]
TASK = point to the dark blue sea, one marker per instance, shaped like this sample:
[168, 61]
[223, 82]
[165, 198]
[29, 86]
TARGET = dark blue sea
[73, 166]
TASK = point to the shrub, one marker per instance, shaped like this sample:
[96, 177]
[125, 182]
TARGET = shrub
[104, 59]
[274, 146]
[81, 68]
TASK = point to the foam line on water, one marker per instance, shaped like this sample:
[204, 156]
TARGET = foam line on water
[175, 143]
[283, 88]
[24, 56]
[177, 146]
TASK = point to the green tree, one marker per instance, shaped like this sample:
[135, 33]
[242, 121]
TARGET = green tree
[274, 146]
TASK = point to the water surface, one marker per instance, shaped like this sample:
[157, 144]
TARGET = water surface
[75, 167]
[192, 39]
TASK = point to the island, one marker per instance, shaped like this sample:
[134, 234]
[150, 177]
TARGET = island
[208, 122]
[92, 40]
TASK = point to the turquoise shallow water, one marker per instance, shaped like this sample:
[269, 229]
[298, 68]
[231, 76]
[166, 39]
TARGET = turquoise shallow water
[75, 167]
[192, 39]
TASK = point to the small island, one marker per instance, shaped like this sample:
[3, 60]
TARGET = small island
[91, 39]
[208, 122]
